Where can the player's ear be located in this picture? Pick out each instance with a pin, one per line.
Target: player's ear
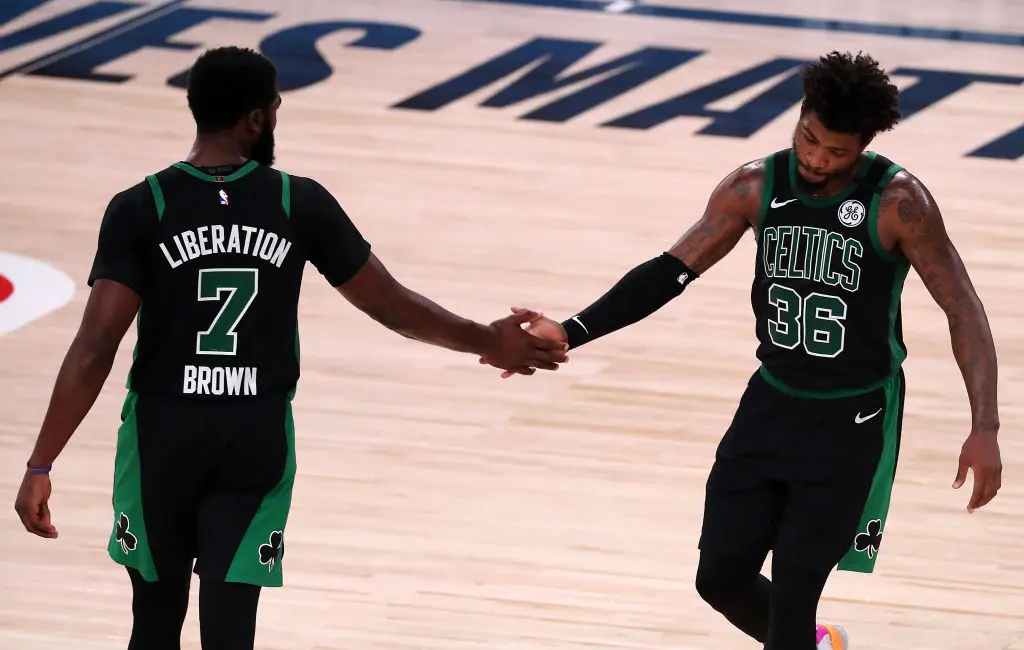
(255, 119)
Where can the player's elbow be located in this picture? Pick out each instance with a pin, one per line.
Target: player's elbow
(97, 344)
(376, 293)
(965, 311)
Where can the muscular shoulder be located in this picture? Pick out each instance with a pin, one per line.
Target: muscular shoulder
(740, 193)
(908, 214)
(133, 208)
(306, 188)
(138, 195)
(907, 200)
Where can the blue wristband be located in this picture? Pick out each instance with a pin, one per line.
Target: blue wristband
(38, 470)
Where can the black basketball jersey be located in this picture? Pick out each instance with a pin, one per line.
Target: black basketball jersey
(826, 295)
(217, 257)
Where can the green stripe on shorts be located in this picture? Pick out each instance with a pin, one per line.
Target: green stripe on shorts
(259, 557)
(863, 552)
(129, 544)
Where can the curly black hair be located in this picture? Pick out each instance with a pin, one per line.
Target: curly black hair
(225, 83)
(850, 94)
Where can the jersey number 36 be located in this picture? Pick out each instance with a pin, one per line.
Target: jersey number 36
(237, 288)
(814, 321)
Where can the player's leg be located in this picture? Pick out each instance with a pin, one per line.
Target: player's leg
(158, 609)
(741, 512)
(835, 510)
(156, 483)
(242, 520)
(742, 508)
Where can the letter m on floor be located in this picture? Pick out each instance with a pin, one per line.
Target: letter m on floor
(542, 64)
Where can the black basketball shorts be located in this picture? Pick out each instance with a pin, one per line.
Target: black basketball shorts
(204, 481)
(808, 479)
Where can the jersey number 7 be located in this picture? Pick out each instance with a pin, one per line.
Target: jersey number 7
(237, 288)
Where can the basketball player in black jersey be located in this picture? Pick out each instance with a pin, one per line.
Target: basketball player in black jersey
(207, 257)
(806, 467)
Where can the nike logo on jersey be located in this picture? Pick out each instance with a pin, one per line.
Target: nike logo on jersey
(777, 204)
(858, 419)
(577, 319)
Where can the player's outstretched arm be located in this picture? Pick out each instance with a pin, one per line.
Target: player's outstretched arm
(338, 250)
(910, 213)
(731, 210)
(109, 313)
(503, 343)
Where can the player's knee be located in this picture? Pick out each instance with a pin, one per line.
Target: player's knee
(158, 610)
(799, 580)
(719, 582)
(227, 615)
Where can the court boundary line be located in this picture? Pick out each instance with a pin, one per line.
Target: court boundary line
(638, 8)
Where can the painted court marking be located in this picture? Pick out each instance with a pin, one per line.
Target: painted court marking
(29, 290)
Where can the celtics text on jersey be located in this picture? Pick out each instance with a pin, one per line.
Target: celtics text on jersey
(826, 294)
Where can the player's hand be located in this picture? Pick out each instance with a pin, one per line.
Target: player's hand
(539, 326)
(980, 454)
(31, 505)
(545, 328)
(516, 351)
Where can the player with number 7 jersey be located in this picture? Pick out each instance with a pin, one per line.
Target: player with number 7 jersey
(206, 257)
(217, 255)
(223, 240)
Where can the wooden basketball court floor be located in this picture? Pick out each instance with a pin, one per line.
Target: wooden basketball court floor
(436, 505)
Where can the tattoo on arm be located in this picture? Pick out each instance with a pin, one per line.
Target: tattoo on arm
(923, 239)
(728, 216)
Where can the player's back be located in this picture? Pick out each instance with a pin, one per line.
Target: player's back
(220, 316)
(217, 256)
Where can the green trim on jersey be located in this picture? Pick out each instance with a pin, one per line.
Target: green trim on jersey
(861, 557)
(259, 557)
(135, 349)
(158, 196)
(766, 192)
(851, 187)
(822, 394)
(203, 176)
(161, 205)
(286, 194)
(286, 203)
(897, 353)
(128, 544)
(876, 241)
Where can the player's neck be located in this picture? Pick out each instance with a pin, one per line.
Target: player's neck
(216, 150)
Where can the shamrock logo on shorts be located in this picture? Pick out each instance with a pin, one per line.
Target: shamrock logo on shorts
(869, 540)
(124, 536)
(272, 552)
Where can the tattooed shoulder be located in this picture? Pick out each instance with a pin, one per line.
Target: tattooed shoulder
(907, 200)
(748, 180)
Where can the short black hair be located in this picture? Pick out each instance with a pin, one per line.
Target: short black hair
(225, 83)
(851, 94)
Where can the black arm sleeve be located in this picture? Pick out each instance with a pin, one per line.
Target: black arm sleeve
(122, 250)
(641, 292)
(332, 242)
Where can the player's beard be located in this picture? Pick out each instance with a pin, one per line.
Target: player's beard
(263, 150)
